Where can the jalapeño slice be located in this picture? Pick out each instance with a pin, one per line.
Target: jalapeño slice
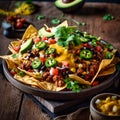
(84, 40)
(86, 54)
(36, 64)
(108, 55)
(50, 50)
(50, 62)
(40, 45)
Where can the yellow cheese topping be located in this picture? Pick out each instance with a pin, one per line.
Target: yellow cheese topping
(64, 55)
(23, 9)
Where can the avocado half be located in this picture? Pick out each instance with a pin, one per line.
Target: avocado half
(69, 5)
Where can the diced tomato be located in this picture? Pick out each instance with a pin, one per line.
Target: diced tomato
(87, 77)
(52, 41)
(65, 63)
(12, 72)
(30, 70)
(95, 83)
(16, 48)
(48, 30)
(19, 25)
(44, 38)
(86, 45)
(54, 71)
(99, 48)
(23, 20)
(43, 59)
(78, 52)
(36, 40)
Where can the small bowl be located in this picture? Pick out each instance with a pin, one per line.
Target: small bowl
(97, 114)
(11, 32)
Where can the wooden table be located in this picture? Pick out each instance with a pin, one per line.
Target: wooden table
(14, 104)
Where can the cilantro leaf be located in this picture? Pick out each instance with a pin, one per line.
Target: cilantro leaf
(55, 21)
(79, 23)
(108, 17)
(67, 35)
(73, 85)
(17, 4)
(14, 55)
(39, 17)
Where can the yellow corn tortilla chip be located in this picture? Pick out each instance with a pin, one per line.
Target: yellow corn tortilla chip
(79, 79)
(107, 71)
(104, 63)
(65, 23)
(11, 65)
(10, 58)
(32, 74)
(30, 32)
(110, 69)
(14, 44)
(36, 83)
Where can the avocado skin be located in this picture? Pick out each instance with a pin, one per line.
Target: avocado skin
(69, 9)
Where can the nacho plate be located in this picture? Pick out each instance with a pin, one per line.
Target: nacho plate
(33, 81)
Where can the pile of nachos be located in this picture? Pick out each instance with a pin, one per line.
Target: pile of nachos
(60, 58)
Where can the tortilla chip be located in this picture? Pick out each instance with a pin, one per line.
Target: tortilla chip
(36, 83)
(107, 71)
(30, 32)
(11, 49)
(65, 23)
(79, 79)
(104, 63)
(10, 58)
(14, 44)
(32, 74)
(11, 65)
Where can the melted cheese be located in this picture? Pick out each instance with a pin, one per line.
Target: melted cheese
(64, 55)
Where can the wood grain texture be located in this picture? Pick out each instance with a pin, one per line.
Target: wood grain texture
(13, 104)
(30, 111)
(10, 99)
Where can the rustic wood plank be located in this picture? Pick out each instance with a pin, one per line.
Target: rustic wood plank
(10, 99)
(30, 111)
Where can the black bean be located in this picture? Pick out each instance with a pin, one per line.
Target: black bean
(46, 48)
(43, 67)
(29, 51)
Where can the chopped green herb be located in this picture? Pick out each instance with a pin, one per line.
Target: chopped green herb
(17, 4)
(79, 23)
(109, 46)
(94, 42)
(14, 55)
(108, 55)
(67, 35)
(39, 17)
(72, 85)
(21, 73)
(62, 16)
(55, 21)
(108, 17)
